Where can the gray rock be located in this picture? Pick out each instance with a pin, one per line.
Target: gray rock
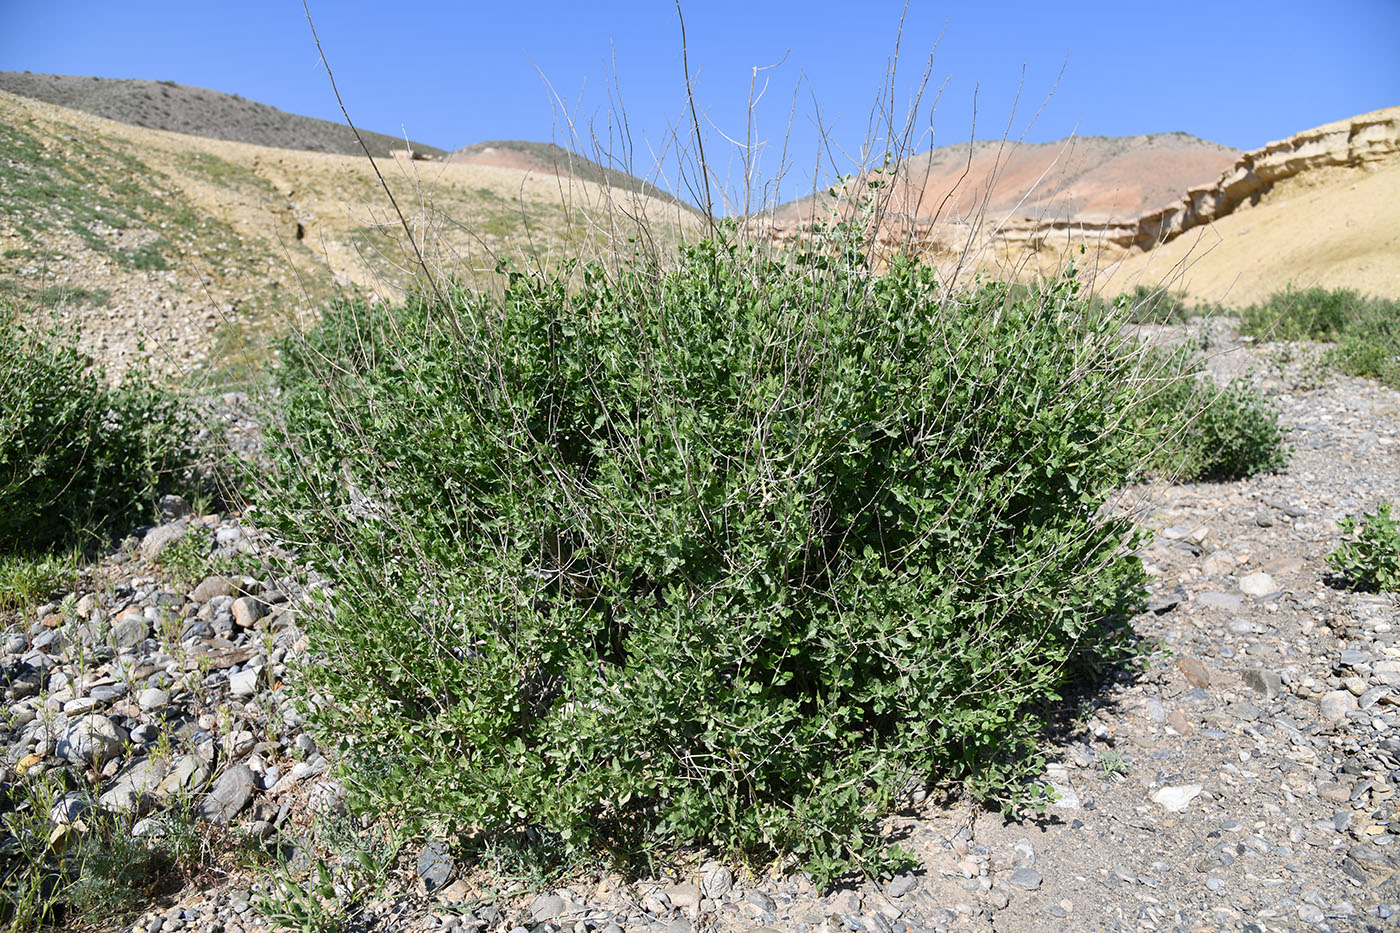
(229, 795)
(901, 884)
(683, 896)
(766, 904)
(1366, 864)
(1261, 680)
(161, 537)
(173, 507)
(91, 740)
(152, 698)
(716, 882)
(1238, 626)
(189, 773)
(211, 587)
(435, 866)
(129, 631)
(1371, 697)
(131, 790)
(1224, 601)
(1027, 879)
(69, 808)
(1350, 657)
(108, 693)
(1335, 705)
(547, 907)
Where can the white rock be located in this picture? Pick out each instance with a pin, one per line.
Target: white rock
(1067, 799)
(1177, 799)
(245, 682)
(1257, 584)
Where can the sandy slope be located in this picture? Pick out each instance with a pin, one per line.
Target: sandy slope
(253, 235)
(1336, 227)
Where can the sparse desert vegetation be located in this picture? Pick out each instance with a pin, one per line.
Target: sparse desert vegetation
(577, 561)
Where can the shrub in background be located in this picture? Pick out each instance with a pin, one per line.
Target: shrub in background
(1208, 431)
(1365, 330)
(725, 555)
(78, 458)
(1370, 555)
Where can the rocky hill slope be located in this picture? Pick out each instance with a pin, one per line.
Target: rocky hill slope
(187, 251)
(165, 105)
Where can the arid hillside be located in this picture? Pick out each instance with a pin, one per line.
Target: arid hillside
(1079, 179)
(165, 105)
(553, 159)
(188, 251)
(1319, 208)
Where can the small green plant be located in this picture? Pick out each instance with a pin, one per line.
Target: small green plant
(310, 905)
(1370, 557)
(27, 580)
(190, 559)
(349, 866)
(1111, 762)
(88, 872)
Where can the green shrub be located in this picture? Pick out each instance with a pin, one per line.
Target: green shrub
(1311, 314)
(27, 580)
(1371, 555)
(728, 555)
(1370, 346)
(78, 458)
(1204, 431)
(1366, 330)
(1226, 432)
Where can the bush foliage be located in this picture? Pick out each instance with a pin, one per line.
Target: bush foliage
(1227, 432)
(1366, 331)
(731, 554)
(1370, 554)
(78, 458)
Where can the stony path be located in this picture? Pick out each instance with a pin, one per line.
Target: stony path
(1245, 780)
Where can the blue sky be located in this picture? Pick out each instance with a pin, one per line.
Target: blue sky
(455, 73)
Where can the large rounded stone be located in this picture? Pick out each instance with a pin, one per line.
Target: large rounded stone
(1335, 705)
(92, 740)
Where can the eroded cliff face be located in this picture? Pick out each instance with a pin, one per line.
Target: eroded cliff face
(1371, 137)
(1041, 243)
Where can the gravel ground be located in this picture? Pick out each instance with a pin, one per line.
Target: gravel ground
(1243, 780)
